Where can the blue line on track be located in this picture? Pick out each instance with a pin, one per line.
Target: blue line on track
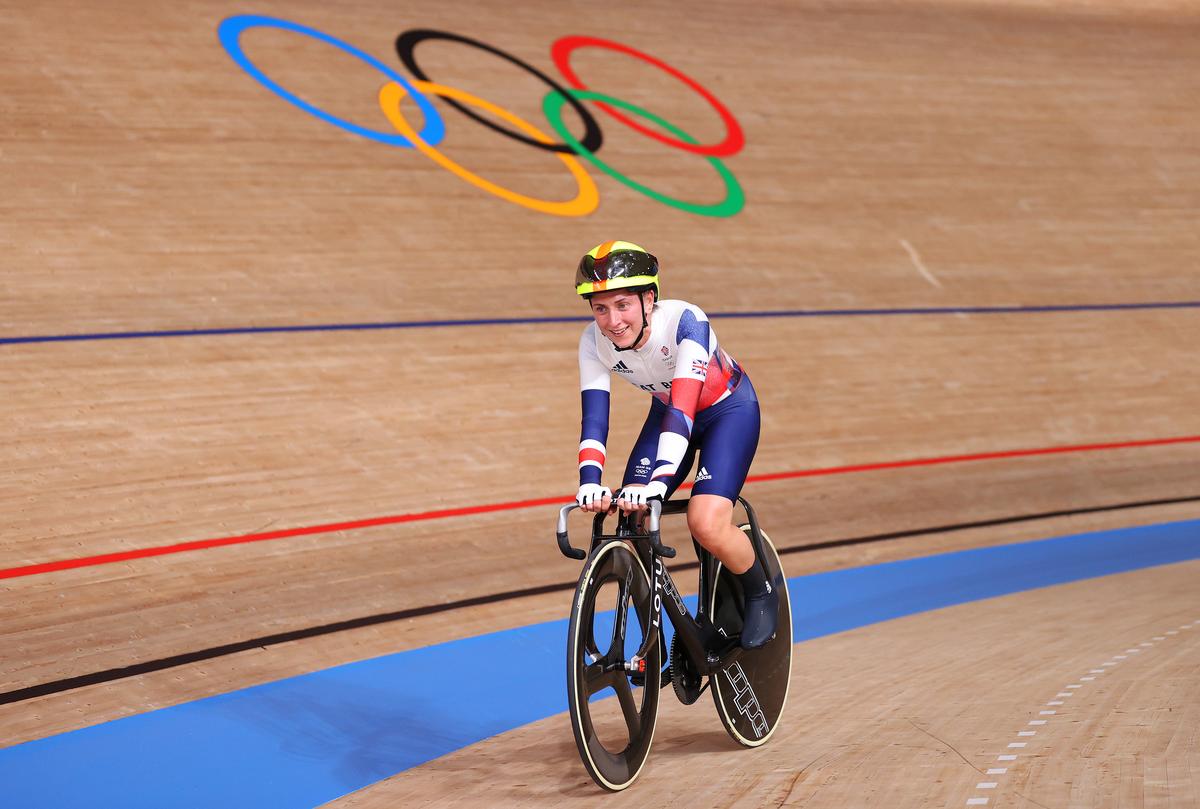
(525, 321)
(306, 740)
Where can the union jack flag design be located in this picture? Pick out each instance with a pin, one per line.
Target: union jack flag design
(700, 367)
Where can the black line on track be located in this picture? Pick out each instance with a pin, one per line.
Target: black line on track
(149, 666)
(433, 324)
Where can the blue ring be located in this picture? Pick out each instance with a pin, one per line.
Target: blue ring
(231, 29)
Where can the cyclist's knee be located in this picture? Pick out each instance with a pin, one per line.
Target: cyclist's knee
(709, 518)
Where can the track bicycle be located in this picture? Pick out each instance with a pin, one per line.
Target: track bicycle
(616, 643)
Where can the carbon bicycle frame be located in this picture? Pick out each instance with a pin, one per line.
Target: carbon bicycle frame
(709, 648)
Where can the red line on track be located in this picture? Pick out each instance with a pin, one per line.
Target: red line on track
(201, 544)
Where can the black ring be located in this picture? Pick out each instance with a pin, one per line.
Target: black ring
(407, 42)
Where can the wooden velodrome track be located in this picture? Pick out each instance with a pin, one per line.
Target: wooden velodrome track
(979, 162)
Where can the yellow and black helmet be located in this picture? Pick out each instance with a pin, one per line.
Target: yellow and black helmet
(616, 265)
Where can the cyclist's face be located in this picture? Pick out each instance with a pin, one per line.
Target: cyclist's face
(619, 315)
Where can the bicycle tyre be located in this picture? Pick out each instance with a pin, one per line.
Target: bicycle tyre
(751, 693)
(614, 561)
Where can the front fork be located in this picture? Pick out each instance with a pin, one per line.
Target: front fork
(696, 635)
(692, 632)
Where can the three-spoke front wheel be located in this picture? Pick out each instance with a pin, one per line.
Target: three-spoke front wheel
(612, 612)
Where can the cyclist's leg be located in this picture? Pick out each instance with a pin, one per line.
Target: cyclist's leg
(727, 437)
(727, 444)
(710, 519)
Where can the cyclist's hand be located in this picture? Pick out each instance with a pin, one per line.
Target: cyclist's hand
(594, 497)
(636, 498)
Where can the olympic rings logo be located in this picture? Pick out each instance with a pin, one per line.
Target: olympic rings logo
(393, 93)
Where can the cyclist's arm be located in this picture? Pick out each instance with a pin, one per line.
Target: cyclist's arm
(594, 397)
(691, 371)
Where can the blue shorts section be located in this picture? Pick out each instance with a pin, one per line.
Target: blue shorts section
(306, 740)
(725, 435)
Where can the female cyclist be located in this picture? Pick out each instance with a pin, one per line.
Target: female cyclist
(702, 401)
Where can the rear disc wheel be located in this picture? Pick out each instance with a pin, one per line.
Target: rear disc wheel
(751, 692)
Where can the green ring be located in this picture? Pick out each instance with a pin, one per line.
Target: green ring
(734, 200)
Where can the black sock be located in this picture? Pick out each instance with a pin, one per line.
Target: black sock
(754, 581)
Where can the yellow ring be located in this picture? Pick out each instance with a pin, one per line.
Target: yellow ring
(390, 96)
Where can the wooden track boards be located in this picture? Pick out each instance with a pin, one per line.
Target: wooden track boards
(898, 155)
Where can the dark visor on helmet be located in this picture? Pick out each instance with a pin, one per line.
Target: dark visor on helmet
(622, 264)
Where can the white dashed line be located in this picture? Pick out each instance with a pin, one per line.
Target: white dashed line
(1071, 688)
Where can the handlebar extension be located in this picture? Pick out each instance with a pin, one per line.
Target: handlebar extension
(655, 534)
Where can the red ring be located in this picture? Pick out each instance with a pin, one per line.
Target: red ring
(561, 50)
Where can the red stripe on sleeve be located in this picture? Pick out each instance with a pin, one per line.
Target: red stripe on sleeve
(591, 455)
